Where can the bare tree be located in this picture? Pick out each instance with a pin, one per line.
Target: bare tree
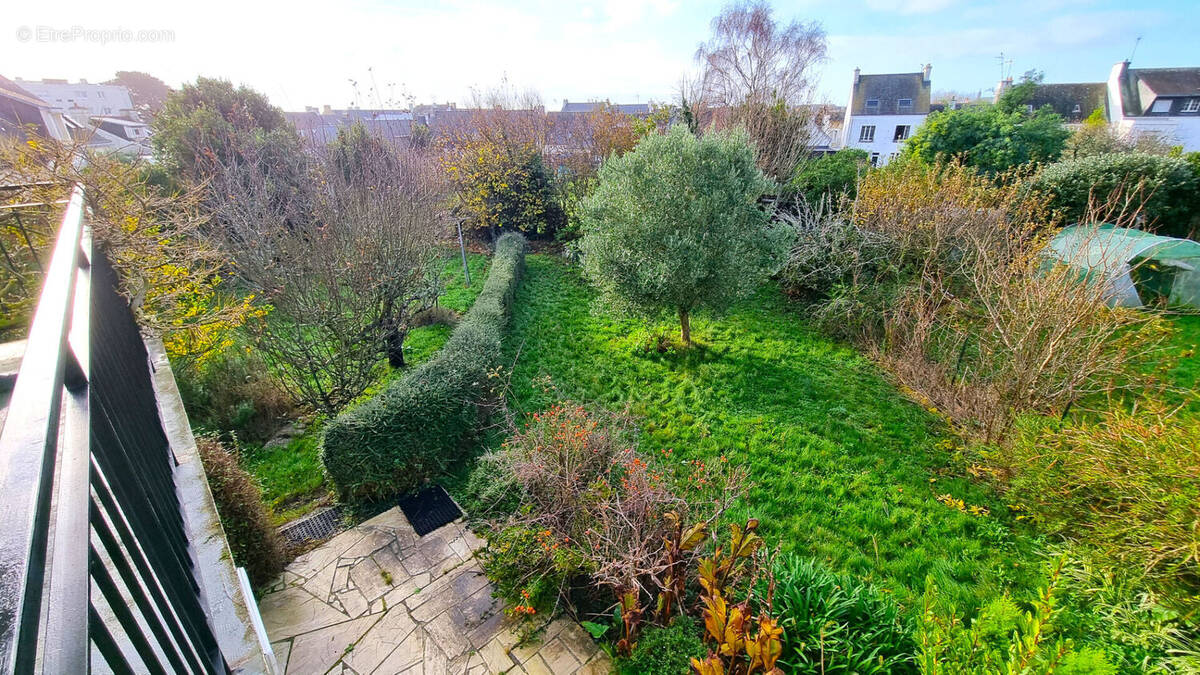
(343, 265)
(760, 74)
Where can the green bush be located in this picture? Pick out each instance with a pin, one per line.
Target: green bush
(401, 438)
(254, 542)
(834, 623)
(1124, 483)
(1003, 637)
(665, 651)
(831, 176)
(1167, 185)
(233, 395)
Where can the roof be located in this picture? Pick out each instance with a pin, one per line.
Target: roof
(120, 121)
(1073, 101)
(592, 106)
(889, 90)
(14, 91)
(1141, 87)
(1168, 81)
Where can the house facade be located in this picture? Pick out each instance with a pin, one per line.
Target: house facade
(1163, 102)
(884, 111)
(83, 99)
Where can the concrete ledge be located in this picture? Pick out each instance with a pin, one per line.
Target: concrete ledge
(229, 609)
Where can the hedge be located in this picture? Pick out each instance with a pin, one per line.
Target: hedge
(410, 432)
(1168, 187)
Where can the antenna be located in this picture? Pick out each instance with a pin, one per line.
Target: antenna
(1136, 42)
(1004, 74)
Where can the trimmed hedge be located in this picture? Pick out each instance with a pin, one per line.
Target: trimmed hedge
(1168, 183)
(407, 434)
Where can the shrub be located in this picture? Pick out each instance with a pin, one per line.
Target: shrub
(675, 225)
(1002, 638)
(665, 650)
(408, 433)
(232, 394)
(1164, 188)
(831, 176)
(1114, 608)
(834, 623)
(592, 514)
(991, 139)
(1125, 483)
(830, 250)
(937, 271)
(255, 544)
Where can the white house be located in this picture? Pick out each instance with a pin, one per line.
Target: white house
(884, 111)
(83, 99)
(1160, 101)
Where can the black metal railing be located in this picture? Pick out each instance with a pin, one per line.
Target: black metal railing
(95, 566)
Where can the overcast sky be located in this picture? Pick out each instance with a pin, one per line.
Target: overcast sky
(302, 54)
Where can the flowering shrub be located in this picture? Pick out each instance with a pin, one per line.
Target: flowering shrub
(594, 513)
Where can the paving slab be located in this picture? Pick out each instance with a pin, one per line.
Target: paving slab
(379, 600)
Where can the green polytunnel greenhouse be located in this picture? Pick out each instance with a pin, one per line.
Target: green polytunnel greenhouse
(1138, 267)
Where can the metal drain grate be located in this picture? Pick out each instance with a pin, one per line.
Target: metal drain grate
(429, 509)
(317, 527)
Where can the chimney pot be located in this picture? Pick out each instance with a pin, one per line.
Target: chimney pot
(925, 69)
(857, 74)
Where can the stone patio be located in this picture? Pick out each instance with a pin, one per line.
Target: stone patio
(380, 599)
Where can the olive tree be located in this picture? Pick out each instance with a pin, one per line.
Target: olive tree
(676, 225)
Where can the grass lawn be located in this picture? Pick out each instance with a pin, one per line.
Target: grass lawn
(844, 467)
(292, 477)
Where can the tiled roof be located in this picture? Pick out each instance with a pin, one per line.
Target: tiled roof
(888, 90)
(1073, 101)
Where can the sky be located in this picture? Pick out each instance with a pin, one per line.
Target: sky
(376, 53)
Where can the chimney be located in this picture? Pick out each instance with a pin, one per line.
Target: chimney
(1003, 86)
(925, 68)
(82, 81)
(857, 75)
(326, 110)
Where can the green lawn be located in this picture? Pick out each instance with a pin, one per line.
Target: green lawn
(292, 477)
(844, 467)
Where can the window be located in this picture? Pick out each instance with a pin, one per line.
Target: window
(872, 105)
(1191, 105)
(902, 132)
(874, 159)
(866, 134)
(904, 105)
(1077, 109)
(1029, 108)
(1161, 105)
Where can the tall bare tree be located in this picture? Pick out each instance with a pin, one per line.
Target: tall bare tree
(343, 266)
(761, 75)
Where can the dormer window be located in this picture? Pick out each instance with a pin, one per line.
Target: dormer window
(1077, 109)
(904, 105)
(1192, 105)
(1161, 106)
(872, 105)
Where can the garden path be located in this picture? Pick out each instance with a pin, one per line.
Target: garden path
(379, 599)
